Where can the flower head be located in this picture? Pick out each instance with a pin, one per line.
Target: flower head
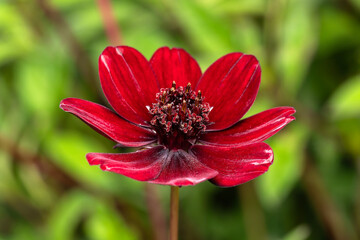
(186, 124)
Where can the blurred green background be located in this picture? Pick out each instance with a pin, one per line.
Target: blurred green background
(309, 51)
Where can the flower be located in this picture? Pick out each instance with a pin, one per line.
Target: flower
(186, 124)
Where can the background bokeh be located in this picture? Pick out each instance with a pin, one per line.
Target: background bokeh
(309, 51)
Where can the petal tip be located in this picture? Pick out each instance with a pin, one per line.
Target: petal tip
(91, 158)
(64, 103)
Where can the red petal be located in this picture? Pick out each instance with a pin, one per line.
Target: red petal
(182, 169)
(253, 129)
(128, 83)
(108, 123)
(175, 65)
(236, 165)
(230, 86)
(156, 165)
(142, 165)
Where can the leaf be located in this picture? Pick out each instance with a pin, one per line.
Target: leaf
(301, 232)
(68, 150)
(105, 224)
(67, 214)
(345, 102)
(101, 221)
(339, 31)
(235, 7)
(15, 37)
(207, 31)
(297, 43)
(288, 147)
(41, 80)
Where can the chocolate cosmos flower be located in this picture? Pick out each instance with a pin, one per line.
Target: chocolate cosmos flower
(186, 124)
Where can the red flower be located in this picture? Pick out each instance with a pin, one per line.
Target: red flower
(187, 123)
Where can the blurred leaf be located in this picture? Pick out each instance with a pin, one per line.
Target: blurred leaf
(86, 22)
(356, 4)
(248, 38)
(42, 195)
(69, 4)
(105, 224)
(15, 37)
(345, 102)
(68, 149)
(299, 233)
(67, 214)
(42, 78)
(297, 43)
(207, 206)
(147, 46)
(7, 185)
(288, 147)
(339, 30)
(208, 32)
(24, 231)
(349, 131)
(101, 221)
(235, 7)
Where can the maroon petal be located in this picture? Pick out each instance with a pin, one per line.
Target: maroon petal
(142, 165)
(175, 65)
(128, 83)
(156, 165)
(253, 129)
(236, 165)
(230, 86)
(108, 123)
(182, 169)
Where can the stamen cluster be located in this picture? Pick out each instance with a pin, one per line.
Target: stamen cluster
(179, 116)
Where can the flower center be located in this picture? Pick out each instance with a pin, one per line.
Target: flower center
(179, 116)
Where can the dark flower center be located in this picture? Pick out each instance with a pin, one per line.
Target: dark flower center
(179, 116)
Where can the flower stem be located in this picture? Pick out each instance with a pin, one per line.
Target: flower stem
(174, 213)
(110, 24)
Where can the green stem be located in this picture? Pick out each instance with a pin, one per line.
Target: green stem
(174, 213)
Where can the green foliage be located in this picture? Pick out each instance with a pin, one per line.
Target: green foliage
(309, 54)
(285, 172)
(299, 233)
(101, 221)
(345, 102)
(297, 43)
(15, 37)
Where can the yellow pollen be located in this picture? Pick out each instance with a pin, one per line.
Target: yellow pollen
(183, 106)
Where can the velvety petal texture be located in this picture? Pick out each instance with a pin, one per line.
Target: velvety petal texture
(156, 165)
(143, 165)
(182, 169)
(128, 83)
(175, 65)
(230, 86)
(236, 165)
(108, 123)
(252, 129)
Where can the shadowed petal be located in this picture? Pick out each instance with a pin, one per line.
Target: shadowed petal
(254, 129)
(182, 169)
(128, 83)
(230, 86)
(107, 123)
(142, 165)
(175, 65)
(236, 165)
